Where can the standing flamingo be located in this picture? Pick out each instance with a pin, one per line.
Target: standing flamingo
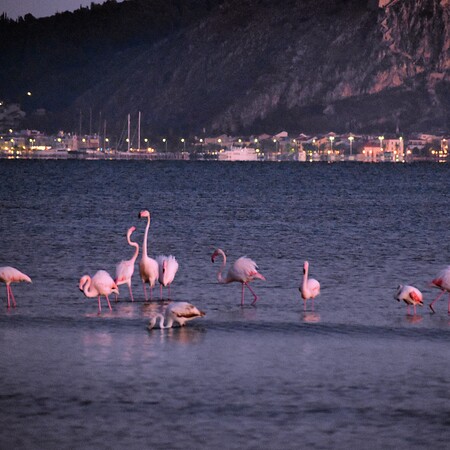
(100, 284)
(442, 281)
(125, 269)
(168, 267)
(10, 275)
(148, 267)
(410, 295)
(179, 312)
(310, 287)
(243, 271)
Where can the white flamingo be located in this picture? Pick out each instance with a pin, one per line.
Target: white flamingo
(148, 267)
(243, 271)
(10, 275)
(410, 295)
(179, 312)
(310, 287)
(442, 281)
(125, 269)
(100, 284)
(168, 267)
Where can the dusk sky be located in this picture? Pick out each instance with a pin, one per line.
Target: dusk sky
(41, 8)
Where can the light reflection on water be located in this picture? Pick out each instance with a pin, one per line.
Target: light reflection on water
(355, 371)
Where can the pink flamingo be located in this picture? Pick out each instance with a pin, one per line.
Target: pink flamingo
(168, 267)
(243, 271)
(442, 281)
(148, 267)
(179, 312)
(100, 284)
(410, 295)
(310, 287)
(125, 269)
(10, 275)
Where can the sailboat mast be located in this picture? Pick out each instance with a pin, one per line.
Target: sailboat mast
(139, 132)
(128, 132)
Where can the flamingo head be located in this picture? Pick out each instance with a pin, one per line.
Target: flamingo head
(144, 213)
(83, 281)
(396, 295)
(131, 230)
(305, 267)
(214, 256)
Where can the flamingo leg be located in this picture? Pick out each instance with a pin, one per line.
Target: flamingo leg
(99, 305)
(8, 295)
(131, 292)
(254, 295)
(312, 304)
(145, 290)
(117, 297)
(160, 291)
(109, 304)
(437, 298)
(12, 297)
(168, 291)
(151, 292)
(414, 309)
(242, 296)
(448, 307)
(304, 305)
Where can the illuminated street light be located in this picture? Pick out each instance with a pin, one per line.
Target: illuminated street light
(351, 139)
(331, 138)
(184, 144)
(165, 143)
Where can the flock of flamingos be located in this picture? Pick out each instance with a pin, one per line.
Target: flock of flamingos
(164, 268)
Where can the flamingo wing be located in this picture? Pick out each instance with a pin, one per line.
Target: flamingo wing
(416, 297)
(243, 270)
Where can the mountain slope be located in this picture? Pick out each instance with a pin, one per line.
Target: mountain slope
(306, 65)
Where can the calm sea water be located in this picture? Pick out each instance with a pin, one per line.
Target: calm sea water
(357, 372)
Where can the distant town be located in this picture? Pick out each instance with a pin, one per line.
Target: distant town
(329, 147)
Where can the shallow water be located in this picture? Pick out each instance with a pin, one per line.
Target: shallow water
(355, 372)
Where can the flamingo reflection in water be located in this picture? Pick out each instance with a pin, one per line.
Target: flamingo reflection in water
(442, 281)
(410, 295)
(176, 312)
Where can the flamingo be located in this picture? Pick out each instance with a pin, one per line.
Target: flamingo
(148, 267)
(100, 284)
(410, 295)
(168, 267)
(442, 281)
(125, 269)
(179, 312)
(310, 287)
(10, 275)
(243, 270)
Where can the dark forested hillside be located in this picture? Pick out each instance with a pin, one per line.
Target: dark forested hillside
(233, 65)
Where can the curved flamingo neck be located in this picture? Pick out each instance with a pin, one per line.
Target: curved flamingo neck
(135, 245)
(161, 321)
(305, 277)
(144, 245)
(222, 267)
(86, 288)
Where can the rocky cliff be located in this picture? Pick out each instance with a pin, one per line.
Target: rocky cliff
(305, 65)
